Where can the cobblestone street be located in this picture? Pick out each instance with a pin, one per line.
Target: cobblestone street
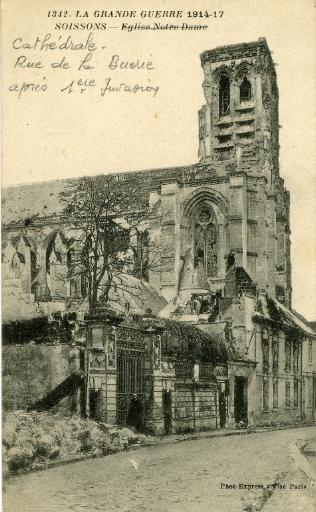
(191, 476)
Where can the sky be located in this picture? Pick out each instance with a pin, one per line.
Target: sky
(53, 134)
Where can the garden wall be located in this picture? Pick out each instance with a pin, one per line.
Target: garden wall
(31, 371)
(195, 406)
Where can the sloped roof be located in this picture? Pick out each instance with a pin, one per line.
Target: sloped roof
(138, 295)
(273, 310)
(41, 200)
(313, 326)
(295, 319)
(28, 201)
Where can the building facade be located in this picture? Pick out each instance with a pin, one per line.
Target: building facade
(222, 229)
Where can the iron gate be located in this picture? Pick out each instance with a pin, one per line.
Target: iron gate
(130, 380)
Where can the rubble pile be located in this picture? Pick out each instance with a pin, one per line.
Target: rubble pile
(31, 439)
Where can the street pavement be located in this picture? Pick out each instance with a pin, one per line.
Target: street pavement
(228, 474)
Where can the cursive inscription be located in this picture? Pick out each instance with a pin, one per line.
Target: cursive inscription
(124, 87)
(77, 65)
(47, 43)
(117, 63)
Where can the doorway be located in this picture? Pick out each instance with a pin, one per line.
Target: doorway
(241, 399)
(94, 399)
(130, 385)
(222, 408)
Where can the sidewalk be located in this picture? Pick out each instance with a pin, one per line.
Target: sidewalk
(295, 498)
(177, 438)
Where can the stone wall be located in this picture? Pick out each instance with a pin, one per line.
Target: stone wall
(279, 383)
(31, 371)
(195, 407)
(309, 379)
(182, 397)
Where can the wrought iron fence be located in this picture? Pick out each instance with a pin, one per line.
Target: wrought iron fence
(183, 370)
(206, 372)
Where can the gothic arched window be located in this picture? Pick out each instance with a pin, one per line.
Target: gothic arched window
(205, 241)
(56, 266)
(245, 90)
(224, 96)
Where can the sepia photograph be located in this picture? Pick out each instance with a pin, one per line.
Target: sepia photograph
(158, 256)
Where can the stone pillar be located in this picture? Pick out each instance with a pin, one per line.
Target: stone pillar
(262, 270)
(271, 243)
(237, 220)
(111, 374)
(155, 383)
(101, 371)
(230, 399)
(170, 240)
(43, 292)
(168, 385)
(221, 251)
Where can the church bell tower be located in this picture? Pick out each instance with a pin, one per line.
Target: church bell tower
(239, 138)
(239, 121)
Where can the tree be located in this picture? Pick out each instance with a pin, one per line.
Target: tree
(106, 215)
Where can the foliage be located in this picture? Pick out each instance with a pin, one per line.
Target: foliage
(37, 330)
(182, 340)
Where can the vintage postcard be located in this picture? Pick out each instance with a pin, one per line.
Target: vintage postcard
(158, 255)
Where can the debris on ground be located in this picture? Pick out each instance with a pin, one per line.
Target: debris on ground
(241, 425)
(32, 439)
(309, 449)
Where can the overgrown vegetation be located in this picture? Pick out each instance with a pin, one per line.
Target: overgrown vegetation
(37, 330)
(182, 340)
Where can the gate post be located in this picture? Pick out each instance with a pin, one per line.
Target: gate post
(155, 421)
(157, 411)
(101, 368)
(111, 375)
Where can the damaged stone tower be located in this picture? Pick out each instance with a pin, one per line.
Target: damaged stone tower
(233, 200)
(239, 137)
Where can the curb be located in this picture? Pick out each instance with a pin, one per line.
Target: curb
(218, 434)
(301, 462)
(159, 441)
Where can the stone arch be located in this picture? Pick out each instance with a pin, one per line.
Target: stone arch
(23, 241)
(54, 281)
(222, 70)
(243, 81)
(49, 239)
(208, 194)
(20, 259)
(243, 69)
(245, 90)
(205, 239)
(204, 236)
(18, 263)
(222, 78)
(56, 248)
(8, 252)
(224, 95)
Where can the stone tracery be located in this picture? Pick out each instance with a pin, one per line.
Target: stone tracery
(205, 240)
